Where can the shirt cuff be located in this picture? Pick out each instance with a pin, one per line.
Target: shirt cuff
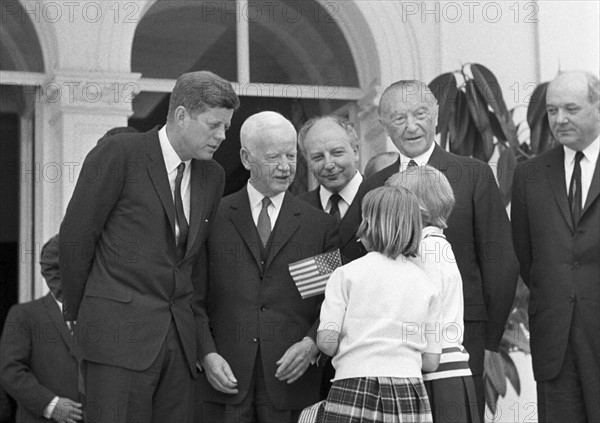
(50, 408)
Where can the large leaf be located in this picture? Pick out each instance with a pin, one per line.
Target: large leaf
(488, 86)
(491, 395)
(511, 372)
(478, 108)
(536, 110)
(462, 120)
(506, 169)
(494, 370)
(445, 90)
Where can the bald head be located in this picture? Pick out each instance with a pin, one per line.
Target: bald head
(573, 109)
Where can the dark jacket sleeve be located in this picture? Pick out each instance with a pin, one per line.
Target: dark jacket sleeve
(15, 362)
(495, 253)
(97, 191)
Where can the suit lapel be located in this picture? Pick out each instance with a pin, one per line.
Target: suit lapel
(594, 188)
(555, 170)
(241, 218)
(438, 159)
(348, 223)
(57, 319)
(197, 203)
(287, 223)
(159, 177)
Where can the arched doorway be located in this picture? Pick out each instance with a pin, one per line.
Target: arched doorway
(21, 59)
(288, 56)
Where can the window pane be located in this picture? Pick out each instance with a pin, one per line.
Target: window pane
(178, 36)
(298, 42)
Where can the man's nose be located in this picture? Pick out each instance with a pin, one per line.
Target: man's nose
(411, 123)
(220, 134)
(561, 116)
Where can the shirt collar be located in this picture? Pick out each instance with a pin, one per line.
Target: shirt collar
(431, 230)
(590, 152)
(347, 193)
(256, 197)
(420, 160)
(171, 157)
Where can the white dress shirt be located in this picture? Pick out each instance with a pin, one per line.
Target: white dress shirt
(172, 160)
(420, 160)
(588, 164)
(347, 195)
(256, 204)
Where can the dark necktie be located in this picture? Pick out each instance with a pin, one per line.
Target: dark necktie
(179, 214)
(335, 208)
(575, 189)
(264, 222)
(411, 164)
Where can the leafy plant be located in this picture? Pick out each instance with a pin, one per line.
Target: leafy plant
(474, 121)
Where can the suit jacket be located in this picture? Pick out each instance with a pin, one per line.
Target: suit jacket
(479, 232)
(36, 361)
(122, 280)
(559, 263)
(253, 302)
(347, 226)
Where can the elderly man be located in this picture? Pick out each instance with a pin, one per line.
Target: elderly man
(38, 367)
(330, 146)
(478, 227)
(130, 240)
(555, 215)
(258, 341)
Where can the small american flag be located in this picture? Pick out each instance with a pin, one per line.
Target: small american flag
(311, 274)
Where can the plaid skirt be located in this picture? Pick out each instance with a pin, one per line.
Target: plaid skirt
(377, 399)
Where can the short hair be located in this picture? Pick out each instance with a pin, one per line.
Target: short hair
(593, 87)
(255, 126)
(433, 191)
(199, 91)
(379, 162)
(409, 88)
(593, 84)
(391, 221)
(342, 122)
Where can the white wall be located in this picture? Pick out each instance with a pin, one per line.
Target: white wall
(569, 36)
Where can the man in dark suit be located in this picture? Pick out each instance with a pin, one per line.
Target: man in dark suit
(555, 216)
(258, 340)
(130, 240)
(478, 227)
(330, 146)
(37, 364)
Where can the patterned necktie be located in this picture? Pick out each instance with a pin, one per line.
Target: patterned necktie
(335, 208)
(264, 222)
(411, 164)
(575, 189)
(179, 214)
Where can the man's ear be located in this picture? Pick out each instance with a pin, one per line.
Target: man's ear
(244, 156)
(180, 115)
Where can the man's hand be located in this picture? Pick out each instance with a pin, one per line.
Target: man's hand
(67, 411)
(296, 360)
(219, 374)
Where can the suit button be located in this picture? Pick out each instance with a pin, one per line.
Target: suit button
(261, 275)
(571, 298)
(172, 304)
(263, 308)
(255, 340)
(576, 265)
